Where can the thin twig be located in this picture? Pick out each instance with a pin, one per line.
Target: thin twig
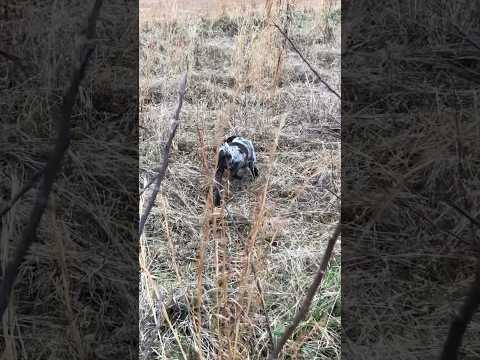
(259, 217)
(54, 163)
(465, 35)
(264, 308)
(259, 285)
(22, 191)
(282, 49)
(166, 155)
(470, 305)
(463, 212)
(9, 56)
(305, 61)
(172, 329)
(13, 58)
(462, 319)
(302, 312)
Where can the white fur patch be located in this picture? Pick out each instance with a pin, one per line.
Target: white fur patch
(237, 156)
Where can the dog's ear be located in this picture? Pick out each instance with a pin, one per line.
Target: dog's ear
(230, 139)
(222, 160)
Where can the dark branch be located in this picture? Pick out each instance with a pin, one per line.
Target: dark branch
(22, 191)
(306, 62)
(166, 155)
(470, 305)
(148, 185)
(9, 56)
(463, 212)
(218, 186)
(462, 319)
(53, 165)
(302, 312)
(15, 59)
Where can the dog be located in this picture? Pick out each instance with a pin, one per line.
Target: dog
(236, 154)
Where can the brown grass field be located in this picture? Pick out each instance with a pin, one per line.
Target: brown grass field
(83, 249)
(410, 133)
(164, 9)
(199, 296)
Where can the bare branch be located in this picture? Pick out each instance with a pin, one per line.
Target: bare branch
(470, 305)
(259, 285)
(53, 165)
(166, 155)
(22, 191)
(305, 61)
(463, 318)
(283, 48)
(145, 188)
(9, 56)
(15, 59)
(264, 308)
(302, 312)
(463, 212)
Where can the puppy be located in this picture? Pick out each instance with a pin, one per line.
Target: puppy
(236, 155)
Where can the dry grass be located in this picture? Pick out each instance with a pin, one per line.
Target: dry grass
(198, 293)
(76, 286)
(411, 132)
(179, 9)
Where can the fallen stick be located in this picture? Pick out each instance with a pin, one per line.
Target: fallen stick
(302, 312)
(161, 171)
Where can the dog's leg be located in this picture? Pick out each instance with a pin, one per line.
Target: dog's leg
(217, 197)
(217, 182)
(253, 169)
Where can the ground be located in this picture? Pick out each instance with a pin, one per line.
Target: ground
(199, 293)
(167, 8)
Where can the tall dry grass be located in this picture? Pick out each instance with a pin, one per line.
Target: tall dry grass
(75, 285)
(199, 295)
(411, 127)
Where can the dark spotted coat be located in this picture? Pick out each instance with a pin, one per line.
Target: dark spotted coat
(235, 155)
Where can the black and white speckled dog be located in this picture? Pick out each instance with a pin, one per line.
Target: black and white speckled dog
(236, 154)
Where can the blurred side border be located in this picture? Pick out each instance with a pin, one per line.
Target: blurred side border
(76, 289)
(410, 278)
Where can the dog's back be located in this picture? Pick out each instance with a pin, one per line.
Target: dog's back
(236, 153)
(245, 147)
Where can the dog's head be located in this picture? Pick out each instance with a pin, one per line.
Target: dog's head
(225, 157)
